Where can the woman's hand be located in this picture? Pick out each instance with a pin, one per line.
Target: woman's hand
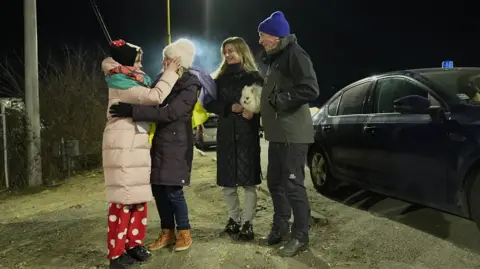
(237, 108)
(247, 114)
(173, 64)
(121, 110)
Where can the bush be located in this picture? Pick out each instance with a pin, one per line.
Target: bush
(73, 101)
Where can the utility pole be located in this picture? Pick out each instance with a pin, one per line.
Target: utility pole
(32, 103)
(169, 31)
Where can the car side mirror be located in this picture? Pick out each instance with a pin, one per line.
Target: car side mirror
(416, 104)
(412, 104)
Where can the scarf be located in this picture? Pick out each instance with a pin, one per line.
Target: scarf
(126, 77)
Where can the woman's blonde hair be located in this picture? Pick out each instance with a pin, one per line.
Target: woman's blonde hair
(246, 57)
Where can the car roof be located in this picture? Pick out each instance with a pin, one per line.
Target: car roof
(410, 73)
(425, 71)
(415, 73)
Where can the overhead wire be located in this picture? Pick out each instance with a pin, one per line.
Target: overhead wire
(100, 20)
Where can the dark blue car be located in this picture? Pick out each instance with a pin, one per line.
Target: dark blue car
(412, 135)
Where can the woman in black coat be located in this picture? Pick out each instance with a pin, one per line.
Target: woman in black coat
(238, 140)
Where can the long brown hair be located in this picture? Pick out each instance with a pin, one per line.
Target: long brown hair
(246, 57)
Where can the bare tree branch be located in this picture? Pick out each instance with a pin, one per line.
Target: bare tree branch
(73, 100)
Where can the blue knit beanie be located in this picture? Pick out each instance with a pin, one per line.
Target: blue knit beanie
(275, 25)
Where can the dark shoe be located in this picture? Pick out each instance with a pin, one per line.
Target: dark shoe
(232, 227)
(293, 247)
(122, 262)
(277, 235)
(139, 253)
(246, 233)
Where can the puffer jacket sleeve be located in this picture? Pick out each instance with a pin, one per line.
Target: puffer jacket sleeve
(157, 94)
(144, 95)
(180, 106)
(160, 90)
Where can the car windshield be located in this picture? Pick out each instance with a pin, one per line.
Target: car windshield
(462, 82)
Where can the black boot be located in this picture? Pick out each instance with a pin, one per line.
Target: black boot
(122, 262)
(246, 233)
(232, 227)
(293, 247)
(278, 234)
(139, 253)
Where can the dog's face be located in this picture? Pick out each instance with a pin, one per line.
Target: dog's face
(250, 99)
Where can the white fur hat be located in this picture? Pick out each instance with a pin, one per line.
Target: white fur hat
(183, 48)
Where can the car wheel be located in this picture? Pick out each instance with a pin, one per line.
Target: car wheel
(198, 138)
(322, 180)
(474, 199)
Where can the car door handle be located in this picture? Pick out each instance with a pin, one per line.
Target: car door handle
(370, 128)
(326, 128)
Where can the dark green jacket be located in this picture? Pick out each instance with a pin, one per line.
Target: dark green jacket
(290, 84)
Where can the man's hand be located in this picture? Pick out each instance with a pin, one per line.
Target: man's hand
(305, 85)
(237, 108)
(121, 110)
(272, 98)
(247, 114)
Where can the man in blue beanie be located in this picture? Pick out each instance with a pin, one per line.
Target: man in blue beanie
(290, 85)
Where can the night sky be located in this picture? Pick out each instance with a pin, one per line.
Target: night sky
(346, 39)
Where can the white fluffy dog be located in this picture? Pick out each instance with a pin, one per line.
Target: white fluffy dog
(250, 99)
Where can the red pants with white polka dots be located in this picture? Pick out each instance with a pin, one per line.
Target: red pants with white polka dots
(127, 226)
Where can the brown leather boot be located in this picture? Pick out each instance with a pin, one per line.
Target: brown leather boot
(165, 239)
(184, 240)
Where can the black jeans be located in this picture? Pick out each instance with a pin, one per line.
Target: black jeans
(285, 181)
(172, 207)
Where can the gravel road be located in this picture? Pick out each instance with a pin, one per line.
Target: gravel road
(65, 227)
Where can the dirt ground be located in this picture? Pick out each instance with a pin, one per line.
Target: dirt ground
(65, 227)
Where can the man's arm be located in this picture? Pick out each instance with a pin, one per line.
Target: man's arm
(182, 104)
(305, 85)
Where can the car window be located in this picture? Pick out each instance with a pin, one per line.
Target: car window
(332, 107)
(388, 90)
(352, 99)
(463, 82)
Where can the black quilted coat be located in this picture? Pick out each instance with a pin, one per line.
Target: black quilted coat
(172, 146)
(238, 141)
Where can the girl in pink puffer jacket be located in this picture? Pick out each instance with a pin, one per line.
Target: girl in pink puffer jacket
(126, 152)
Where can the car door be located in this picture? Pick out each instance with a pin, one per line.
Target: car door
(408, 151)
(343, 132)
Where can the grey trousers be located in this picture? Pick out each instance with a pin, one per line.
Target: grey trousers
(233, 203)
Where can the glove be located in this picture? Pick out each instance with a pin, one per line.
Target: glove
(121, 110)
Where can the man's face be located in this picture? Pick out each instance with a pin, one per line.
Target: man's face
(268, 42)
